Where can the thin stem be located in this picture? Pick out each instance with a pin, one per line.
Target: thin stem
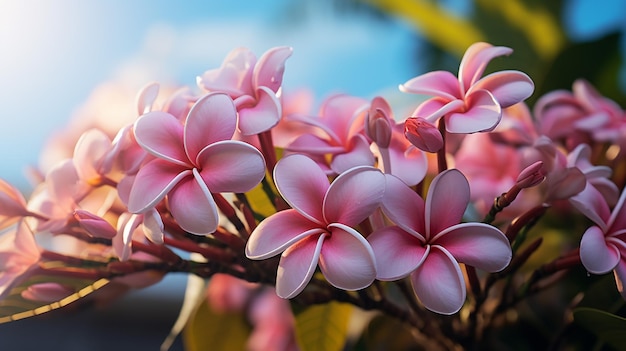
(442, 163)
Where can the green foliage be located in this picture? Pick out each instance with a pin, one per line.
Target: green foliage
(608, 327)
(323, 327)
(217, 331)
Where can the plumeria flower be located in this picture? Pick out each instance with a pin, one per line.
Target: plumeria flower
(428, 241)
(318, 229)
(19, 253)
(564, 114)
(470, 103)
(603, 246)
(341, 135)
(254, 85)
(192, 161)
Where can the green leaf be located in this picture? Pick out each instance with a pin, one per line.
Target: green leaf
(608, 327)
(217, 331)
(323, 327)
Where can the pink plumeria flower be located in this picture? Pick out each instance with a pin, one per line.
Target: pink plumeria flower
(319, 227)
(470, 103)
(603, 246)
(19, 253)
(192, 161)
(429, 241)
(596, 176)
(254, 85)
(341, 135)
(579, 114)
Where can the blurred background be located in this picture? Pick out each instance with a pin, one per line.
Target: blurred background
(56, 53)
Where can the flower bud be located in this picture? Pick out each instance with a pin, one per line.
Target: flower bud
(423, 134)
(531, 175)
(94, 225)
(378, 123)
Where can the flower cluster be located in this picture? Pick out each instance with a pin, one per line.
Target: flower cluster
(239, 177)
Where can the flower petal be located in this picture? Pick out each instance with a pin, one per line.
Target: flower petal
(268, 71)
(354, 195)
(439, 283)
(277, 232)
(437, 83)
(193, 206)
(358, 154)
(297, 265)
(161, 134)
(508, 87)
(448, 196)
(234, 76)
(618, 216)
(212, 118)
(483, 114)
(593, 205)
(397, 252)
(231, 166)
(89, 152)
(262, 116)
(146, 98)
(596, 254)
(347, 260)
(475, 60)
(403, 206)
(303, 184)
(153, 181)
(476, 244)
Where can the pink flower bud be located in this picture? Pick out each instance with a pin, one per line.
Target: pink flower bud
(531, 175)
(94, 225)
(378, 122)
(423, 134)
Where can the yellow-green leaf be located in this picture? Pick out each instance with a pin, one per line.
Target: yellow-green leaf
(216, 331)
(323, 327)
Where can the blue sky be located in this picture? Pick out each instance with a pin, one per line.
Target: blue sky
(55, 52)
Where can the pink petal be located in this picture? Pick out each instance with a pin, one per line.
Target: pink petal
(597, 255)
(153, 226)
(397, 252)
(593, 205)
(476, 244)
(146, 98)
(410, 164)
(153, 181)
(212, 118)
(347, 260)
(279, 231)
(62, 181)
(161, 134)
(261, 117)
(475, 60)
(89, 152)
(193, 206)
(403, 206)
(439, 283)
(234, 75)
(508, 87)
(313, 144)
(617, 221)
(448, 196)
(12, 202)
(231, 166)
(268, 71)
(303, 184)
(483, 114)
(438, 83)
(354, 195)
(358, 154)
(297, 265)
(565, 183)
